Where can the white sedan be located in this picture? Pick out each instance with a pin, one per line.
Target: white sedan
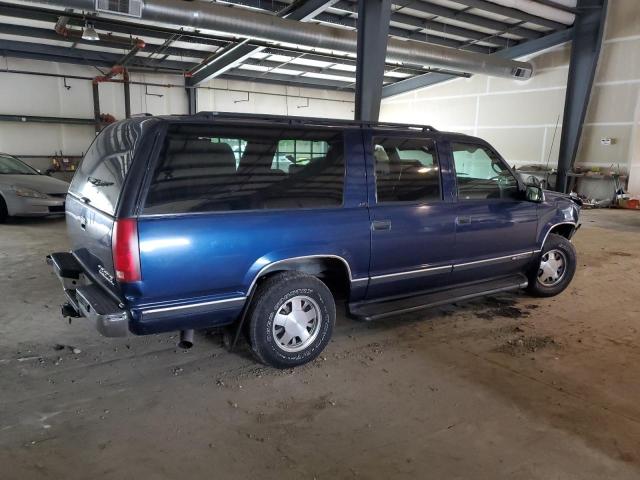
(25, 192)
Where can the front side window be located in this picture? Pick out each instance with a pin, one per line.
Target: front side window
(481, 174)
(406, 170)
(205, 169)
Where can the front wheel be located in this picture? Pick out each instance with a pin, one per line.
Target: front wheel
(555, 269)
(291, 319)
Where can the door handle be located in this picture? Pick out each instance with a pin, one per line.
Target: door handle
(381, 225)
(463, 220)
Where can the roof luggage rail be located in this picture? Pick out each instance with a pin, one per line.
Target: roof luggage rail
(313, 121)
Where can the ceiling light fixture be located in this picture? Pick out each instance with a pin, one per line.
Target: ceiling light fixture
(89, 33)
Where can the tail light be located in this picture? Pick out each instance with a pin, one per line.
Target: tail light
(126, 255)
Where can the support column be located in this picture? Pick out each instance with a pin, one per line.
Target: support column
(127, 95)
(585, 50)
(192, 103)
(373, 31)
(96, 106)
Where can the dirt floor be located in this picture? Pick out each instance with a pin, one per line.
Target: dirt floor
(506, 387)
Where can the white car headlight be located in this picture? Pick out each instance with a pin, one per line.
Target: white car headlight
(28, 192)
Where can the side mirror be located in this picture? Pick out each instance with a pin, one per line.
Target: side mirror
(534, 193)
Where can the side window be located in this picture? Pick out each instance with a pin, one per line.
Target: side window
(406, 170)
(237, 146)
(297, 152)
(480, 174)
(104, 168)
(205, 169)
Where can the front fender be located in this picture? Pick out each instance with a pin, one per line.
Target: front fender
(556, 210)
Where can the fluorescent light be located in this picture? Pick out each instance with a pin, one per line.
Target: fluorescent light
(89, 33)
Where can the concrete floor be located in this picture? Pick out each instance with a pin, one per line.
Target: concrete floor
(507, 387)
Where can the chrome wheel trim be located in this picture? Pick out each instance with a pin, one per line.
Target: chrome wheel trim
(296, 323)
(553, 266)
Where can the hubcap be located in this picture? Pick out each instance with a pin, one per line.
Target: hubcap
(296, 323)
(552, 267)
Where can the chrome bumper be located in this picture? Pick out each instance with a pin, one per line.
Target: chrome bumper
(86, 299)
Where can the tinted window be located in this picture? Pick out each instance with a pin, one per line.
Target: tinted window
(242, 168)
(481, 174)
(101, 174)
(406, 170)
(298, 152)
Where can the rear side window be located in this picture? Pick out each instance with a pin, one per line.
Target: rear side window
(406, 170)
(101, 174)
(208, 169)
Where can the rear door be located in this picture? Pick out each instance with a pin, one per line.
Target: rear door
(412, 220)
(495, 224)
(93, 198)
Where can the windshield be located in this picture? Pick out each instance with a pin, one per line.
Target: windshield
(12, 166)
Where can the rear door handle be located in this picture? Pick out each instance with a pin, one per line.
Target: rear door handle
(463, 220)
(381, 225)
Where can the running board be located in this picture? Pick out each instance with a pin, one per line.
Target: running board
(387, 308)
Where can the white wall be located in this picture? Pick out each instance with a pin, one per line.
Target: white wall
(236, 96)
(23, 94)
(519, 118)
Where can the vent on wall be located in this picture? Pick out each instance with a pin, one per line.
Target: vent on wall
(520, 72)
(131, 8)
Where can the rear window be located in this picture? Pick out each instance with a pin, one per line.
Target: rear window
(207, 168)
(101, 174)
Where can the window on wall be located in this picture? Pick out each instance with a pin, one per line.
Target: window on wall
(297, 152)
(407, 170)
(239, 168)
(481, 174)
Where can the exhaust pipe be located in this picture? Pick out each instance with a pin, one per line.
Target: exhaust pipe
(186, 339)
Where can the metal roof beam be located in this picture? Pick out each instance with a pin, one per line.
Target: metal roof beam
(463, 16)
(512, 13)
(55, 53)
(232, 55)
(518, 51)
(434, 27)
(293, 80)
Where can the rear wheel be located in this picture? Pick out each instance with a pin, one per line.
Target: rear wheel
(555, 268)
(291, 319)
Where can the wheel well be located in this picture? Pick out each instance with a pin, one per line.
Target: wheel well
(4, 209)
(332, 271)
(566, 230)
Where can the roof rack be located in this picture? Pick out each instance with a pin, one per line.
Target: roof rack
(313, 121)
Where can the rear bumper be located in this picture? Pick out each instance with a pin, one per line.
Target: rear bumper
(86, 299)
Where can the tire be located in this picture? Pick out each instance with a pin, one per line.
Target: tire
(275, 300)
(555, 269)
(4, 214)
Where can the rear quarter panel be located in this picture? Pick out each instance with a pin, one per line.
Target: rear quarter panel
(206, 257)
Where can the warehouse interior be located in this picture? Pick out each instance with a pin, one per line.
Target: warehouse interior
(507, 386)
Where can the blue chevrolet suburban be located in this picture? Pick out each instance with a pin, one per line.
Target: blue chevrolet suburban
(263, 223)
